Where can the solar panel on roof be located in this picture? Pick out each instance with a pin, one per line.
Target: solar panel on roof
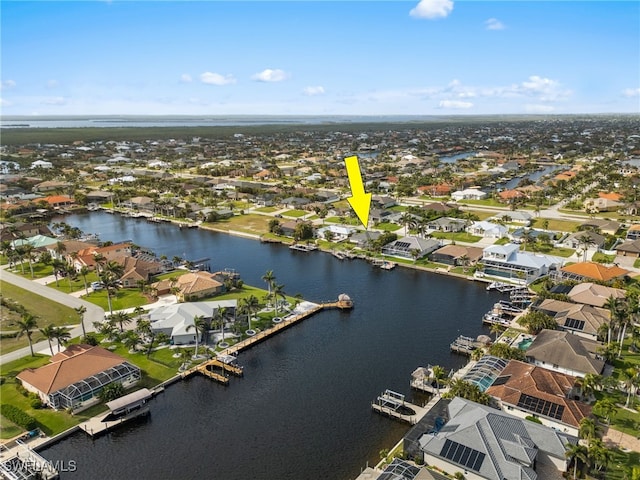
(462, 455)
(574, 324)
(541, 407)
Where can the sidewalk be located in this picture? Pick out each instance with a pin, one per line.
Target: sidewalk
(93, 314)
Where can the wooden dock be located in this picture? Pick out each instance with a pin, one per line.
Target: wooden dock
(96, 425)
(394, 406)
(206, 368)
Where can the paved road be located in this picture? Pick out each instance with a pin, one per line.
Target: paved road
(93, 314)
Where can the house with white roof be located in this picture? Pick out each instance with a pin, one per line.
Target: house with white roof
(41, 164)
(487, 229)
(176, 321)
(338, 232)
(468, 194)
(507, 261)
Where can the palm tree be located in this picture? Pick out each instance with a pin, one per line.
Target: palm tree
(84, 271)
(585, 241)
(219, 318)
(607, 408)
(62, 336)
(599, 454)
(497, 329)
(270, 278)
(186, 357)
(26, 325)
(588, 428)
(200, 326)
(122, 317)
(438, 374)
(575, 452)
(27, 250)
(612, 305)
(250, 305)
(631, 311)
(630, 379)
(131, 340)
(50, 333)
(277, 291)
(110, 278)
(81, 310)
(57, 266)
(589, 384)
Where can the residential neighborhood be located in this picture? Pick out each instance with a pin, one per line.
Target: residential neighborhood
(550, 221)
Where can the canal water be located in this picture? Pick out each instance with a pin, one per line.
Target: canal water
(302, 410)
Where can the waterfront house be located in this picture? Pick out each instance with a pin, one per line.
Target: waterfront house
(176, 321)
(507, 261)
(589, 271)
(525, 390)
(362, 239)
(75, 377)
(195, 285)
(486, 443)
(582, 320)
(594, 294)
(457, 255)
(406, 246)
(565, 352)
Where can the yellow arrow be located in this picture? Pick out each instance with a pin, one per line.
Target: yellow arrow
(359, 201)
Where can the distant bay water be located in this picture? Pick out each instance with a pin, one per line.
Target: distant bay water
(120, 121)
(302, 410)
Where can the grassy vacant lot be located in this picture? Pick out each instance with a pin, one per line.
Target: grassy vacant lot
(294, 213)
(556, 224)
(388, 227)
(46, 311)
(250, 223)
(458, 237)
(266, 209)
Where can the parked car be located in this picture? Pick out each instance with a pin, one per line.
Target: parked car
(97, 285)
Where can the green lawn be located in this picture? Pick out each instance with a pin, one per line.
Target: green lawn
(388, 227)
(249, 223)
(172, 274)
(489, 202)
(458, 237)
(124, 298)
(343, 220)
(555, 224)
(45, 310)
(266, 209)
(294, 213)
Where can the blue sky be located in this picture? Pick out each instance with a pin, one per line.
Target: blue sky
(429, 57)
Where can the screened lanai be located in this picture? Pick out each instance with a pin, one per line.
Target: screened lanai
(485, 371)
(89, 387)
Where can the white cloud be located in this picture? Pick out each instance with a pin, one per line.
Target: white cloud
(544, 89)
(271, 75)
(5, 103)
(312, 91)
(631, 92)
(494, 24)
(186, 78)
(8, 84)
(216, 79)
(52, 83)
(54, 101)
(537, 108)
(454, 104)
(432, 9)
